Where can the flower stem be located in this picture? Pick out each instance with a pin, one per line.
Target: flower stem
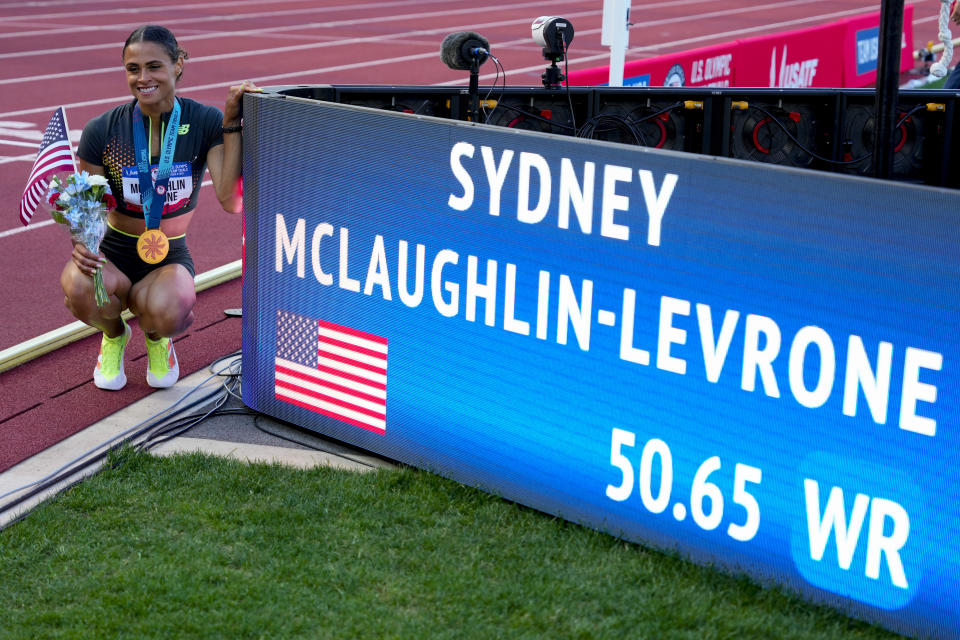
(100, 291)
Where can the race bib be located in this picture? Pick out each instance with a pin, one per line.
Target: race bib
(179, 188)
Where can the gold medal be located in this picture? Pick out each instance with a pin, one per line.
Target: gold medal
(152, 246)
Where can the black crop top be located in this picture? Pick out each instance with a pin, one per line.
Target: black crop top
(107, 141)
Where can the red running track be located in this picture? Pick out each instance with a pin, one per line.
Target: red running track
(61, 52)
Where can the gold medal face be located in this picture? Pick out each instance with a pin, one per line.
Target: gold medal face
(152, 246)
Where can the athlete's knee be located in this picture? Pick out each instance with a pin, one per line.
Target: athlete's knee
(172, 313)
(175, 301)
(167, 324)
(77, 291)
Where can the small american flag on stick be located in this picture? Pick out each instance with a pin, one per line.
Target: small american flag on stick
(55, 155)
(332, 370)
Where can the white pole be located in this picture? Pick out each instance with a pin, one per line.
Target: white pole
(616, 35)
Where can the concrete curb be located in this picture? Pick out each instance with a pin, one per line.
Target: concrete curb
(20, 480)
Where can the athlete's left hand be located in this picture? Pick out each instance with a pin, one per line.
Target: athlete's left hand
(233, 109)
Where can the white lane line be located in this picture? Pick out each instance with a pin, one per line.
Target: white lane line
(229, 4)
(315, 25)
(302, 76)
(52, 3)
(17, 143)
(301, 47)
(394, 19)
(228, 17)
(29, 157)
(30, 227)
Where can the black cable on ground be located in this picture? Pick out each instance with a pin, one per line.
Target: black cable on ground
(83, 462)
(158, 430)
(159, 423)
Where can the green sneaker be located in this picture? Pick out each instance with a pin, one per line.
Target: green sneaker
(108, 374)
(163, 370)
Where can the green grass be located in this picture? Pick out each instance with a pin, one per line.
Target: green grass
(202, 547)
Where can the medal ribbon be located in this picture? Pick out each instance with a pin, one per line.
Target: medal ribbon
(153, 196)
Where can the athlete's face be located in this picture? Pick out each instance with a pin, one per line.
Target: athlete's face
(151, 76)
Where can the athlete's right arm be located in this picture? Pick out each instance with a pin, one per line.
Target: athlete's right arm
(93, 169)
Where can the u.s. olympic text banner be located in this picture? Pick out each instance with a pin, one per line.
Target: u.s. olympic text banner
(754, 364)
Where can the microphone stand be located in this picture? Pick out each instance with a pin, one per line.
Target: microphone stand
(473, 113)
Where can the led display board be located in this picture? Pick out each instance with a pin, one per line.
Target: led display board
(755, 365)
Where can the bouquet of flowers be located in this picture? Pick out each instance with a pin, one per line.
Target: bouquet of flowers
(81, 203)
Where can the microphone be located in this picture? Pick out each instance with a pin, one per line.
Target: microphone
(459, 50)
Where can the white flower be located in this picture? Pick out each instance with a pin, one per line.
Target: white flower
(97, 180)
(64, 198)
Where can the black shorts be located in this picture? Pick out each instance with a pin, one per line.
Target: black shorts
(121, 249)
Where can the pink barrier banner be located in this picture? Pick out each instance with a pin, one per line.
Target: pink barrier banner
(838, 54)
(704, 67)
(794, 59)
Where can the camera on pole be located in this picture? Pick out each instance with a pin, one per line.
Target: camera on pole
(554, 35)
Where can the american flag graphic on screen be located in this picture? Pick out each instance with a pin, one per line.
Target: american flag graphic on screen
(333, 370)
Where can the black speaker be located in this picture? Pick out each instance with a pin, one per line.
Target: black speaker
(403, 104)
(780, 133)
(661, 124)
(544, 111)
(420, 101)
(859, 123)
(545, 116)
